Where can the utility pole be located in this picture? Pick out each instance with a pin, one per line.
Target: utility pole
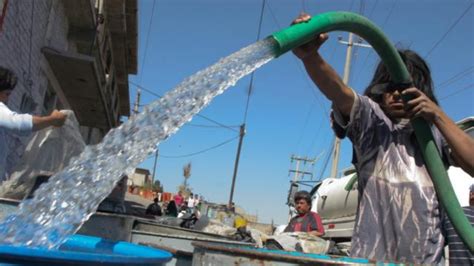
(297, 172)
(154, 166)
(345, 79)
(236, 165)
(137, 103)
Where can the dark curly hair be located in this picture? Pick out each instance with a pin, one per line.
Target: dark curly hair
(418, 69)
(303, 195)
(7, 79)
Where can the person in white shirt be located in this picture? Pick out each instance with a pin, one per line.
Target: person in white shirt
(18, 123)
(196, 200)
(191, 202)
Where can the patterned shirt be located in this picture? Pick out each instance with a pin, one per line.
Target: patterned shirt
(307, 222)
(398, 215)
(459, 254)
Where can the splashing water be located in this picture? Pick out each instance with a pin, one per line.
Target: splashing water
(63, 204)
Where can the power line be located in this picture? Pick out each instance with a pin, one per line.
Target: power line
(310, 111)
(273, 16)
(356, 47)
(449, 30)
(303, 5)
(456, 77)
(209, 126)
(253, 72)
(147, 41)
(311, 88)
(199, 115)
(333, 53)
(326, 161)
(201, 151)
(373, 9)
(362, 7)
(305, 77)
(321, 123)
(389, 14)
(217, 123)
(313, 145)
(458, 91)
(392, 8)
(303, 130)
(352, 4)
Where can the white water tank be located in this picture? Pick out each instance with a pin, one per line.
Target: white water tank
(336, 206)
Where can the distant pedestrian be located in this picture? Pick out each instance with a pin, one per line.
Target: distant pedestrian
(191, 202)
(171, 209)
(154, 208)
(20, 124)
(178, 199)
(305, 220)
(196, 200)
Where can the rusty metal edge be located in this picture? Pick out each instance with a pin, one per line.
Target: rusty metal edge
(280, 257)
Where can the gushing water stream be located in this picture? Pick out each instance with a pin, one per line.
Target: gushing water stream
(63, 204)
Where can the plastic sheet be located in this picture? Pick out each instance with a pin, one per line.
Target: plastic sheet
(48, 151)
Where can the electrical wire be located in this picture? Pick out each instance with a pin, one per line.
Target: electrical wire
(362, 7)
(352, 4)
(303, 130)
(201, 151)
(449, 30)
(457, 91)
(326, 161)
(199, 115)
(316, 136)
(147, 42)
(390, 12)
(253, 72)
(456, 77)
(310, 111)
(373, 9)
(209, 126)
(305, 77)
(355, 52)
(273, 16)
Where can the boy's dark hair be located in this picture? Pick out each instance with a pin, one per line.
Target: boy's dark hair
(418, 69)
(7, 79)
(303, 195)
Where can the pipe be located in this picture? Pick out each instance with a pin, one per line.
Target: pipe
(301, 33)
(350, 184)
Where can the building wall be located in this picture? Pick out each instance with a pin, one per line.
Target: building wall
(138, 179)
(28, 26)
(31, 25)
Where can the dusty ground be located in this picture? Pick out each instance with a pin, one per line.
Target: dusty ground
(136, 205)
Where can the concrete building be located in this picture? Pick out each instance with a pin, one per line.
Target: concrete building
(70, 54)
(141, 177)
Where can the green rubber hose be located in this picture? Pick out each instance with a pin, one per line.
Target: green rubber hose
(301, 33)
(350, 184)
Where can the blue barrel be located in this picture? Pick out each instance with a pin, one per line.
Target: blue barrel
(85, 250)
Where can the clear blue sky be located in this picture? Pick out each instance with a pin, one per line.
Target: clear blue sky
(286, 114)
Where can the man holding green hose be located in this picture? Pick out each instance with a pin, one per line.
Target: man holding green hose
(398, 217)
